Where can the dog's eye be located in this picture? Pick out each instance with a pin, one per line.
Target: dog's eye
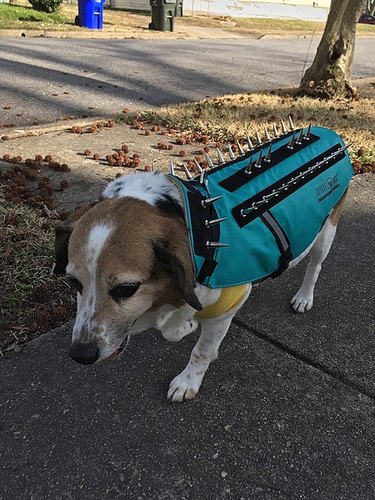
(123, 291)
(75, 284)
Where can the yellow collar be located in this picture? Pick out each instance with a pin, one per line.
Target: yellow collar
(229, 299)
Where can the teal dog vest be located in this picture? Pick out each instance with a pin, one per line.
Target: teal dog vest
(249, 217)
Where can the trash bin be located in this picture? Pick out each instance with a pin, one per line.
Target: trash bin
(179, 8)
(90, 14)
(162, 15)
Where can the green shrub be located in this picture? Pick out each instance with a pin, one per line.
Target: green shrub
(46, 5)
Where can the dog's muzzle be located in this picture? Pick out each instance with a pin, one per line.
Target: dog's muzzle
(85, 354)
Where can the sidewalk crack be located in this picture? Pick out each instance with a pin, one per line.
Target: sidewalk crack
(339, 377)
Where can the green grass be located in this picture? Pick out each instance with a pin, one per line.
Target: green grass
(14, 16)
(369, 29)
(267, 25)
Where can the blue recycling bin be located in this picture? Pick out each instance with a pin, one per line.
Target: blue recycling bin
(90, 14)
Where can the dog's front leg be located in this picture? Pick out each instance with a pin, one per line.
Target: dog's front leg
(176, 323)
(187, 383)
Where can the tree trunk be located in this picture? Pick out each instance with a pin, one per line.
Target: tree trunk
(329, 74)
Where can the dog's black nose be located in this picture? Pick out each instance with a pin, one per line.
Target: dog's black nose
(86, 354)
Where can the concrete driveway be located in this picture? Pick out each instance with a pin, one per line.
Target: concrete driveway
(47, 79)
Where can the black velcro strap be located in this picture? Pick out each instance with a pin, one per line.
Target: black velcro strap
(202, 233)
(243, 220)
(240, 178)
(206, 270)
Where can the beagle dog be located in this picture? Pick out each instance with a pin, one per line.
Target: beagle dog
(128, 258)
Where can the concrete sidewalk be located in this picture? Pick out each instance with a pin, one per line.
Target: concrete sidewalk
(287, 411)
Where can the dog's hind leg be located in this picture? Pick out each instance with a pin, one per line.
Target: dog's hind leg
(304, 298)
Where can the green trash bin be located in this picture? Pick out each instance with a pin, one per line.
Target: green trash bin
(162, 15)
(179, 8)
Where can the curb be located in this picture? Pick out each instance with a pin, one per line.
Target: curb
(67, 34)
(51, 127)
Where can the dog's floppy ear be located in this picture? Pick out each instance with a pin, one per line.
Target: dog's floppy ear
(175, 257)
(62, 234)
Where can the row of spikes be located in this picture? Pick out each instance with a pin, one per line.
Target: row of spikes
(296, 139)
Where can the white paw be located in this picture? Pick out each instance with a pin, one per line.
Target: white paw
(302, 303)
(185, 386)
(174, 334)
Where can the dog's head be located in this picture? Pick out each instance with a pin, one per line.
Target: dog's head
(124, 257)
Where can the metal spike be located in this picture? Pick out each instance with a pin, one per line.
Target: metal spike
(249, 168)
(268, 154)
(171, 168)
(240, 149)
(187, 172)
(249, 143)
(202, 177)
(209, 223)
(290, 144)
(216, 244)
(231, 154)
(308, 132)
(291, 124)
(267, 135)
(258, 138)
(220, 157)
(275, 131)
(199, 168)
(209, 201)
(258, 161)
(343, 148)
(300, 137)
(153, 168)
(209, 161)
(284, 130)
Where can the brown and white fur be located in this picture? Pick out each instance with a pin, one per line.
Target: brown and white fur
(128, 256)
